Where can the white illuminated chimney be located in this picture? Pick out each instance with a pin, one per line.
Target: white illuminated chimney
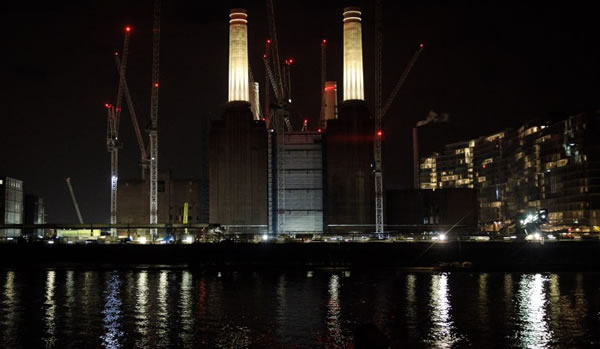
(238, 56)
(353, 60)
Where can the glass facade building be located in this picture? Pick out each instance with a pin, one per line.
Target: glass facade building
(552, 165)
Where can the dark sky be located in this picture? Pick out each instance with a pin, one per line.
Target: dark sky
(490, 65)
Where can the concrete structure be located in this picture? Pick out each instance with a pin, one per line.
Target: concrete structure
(353, 60)
(238, 56)
(238, 169)
(303, 170)
(35, 213)
(11, 205)
(430, 209)
(348, 156)
(172, 194)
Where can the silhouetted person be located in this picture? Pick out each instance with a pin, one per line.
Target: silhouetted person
(369, 336)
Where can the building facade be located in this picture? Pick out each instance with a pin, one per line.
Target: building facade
(302, 202)
(35, 213)
(552, 165)
(11, 205)
(134, 204)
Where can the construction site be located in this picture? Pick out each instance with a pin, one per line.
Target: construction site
(264, 179)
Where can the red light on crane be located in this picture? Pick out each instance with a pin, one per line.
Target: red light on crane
(268, 41)
(128, 29)
(324, 41)
(421, 45)
(116, 53)
(156, 84)
(291, 60)
(379, 133)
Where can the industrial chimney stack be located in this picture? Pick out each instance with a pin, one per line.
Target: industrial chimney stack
(353, 60)
(238, 56)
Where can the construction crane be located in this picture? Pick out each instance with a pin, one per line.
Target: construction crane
(380, 112)
(323, 77)
(153, 131)
(279, 116)
(138, 133)
(74, 200)
(112, 133)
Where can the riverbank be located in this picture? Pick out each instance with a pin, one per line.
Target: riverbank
(488, 256)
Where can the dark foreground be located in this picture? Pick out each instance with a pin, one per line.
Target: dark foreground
(489, 256)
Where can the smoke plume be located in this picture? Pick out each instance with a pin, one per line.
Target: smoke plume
(434, 117)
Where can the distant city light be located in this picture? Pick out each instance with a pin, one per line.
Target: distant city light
(265, 237)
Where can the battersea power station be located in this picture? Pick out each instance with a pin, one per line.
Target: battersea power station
(265, 177)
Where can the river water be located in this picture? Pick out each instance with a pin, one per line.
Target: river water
(177, 307)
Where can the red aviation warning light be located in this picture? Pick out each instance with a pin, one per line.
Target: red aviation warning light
(268, 41)
(379, 133)
(320, 130)
(128, 29)
(324, 41)
(155, 84)
(421, 45)
(116, 53)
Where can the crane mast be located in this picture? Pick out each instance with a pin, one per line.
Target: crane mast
(381, 110)
(112, 135)
(378, 120)
(153, 132)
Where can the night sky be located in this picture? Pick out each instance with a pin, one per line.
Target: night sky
(489, 65)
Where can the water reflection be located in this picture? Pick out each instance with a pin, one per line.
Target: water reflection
(281, 305)
(411, 308)
(442, 333)
(141, 308)
(163, 314)
(185, 307)
(9, 304)
(112, 312)
(50, 309)
(334, 328)
(69, 293)
(532, 326)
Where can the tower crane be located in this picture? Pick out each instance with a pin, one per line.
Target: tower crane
(153, 131)
(323, 77)
(280, 115)
(74, 200)
(380, 112)
(112, 134)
